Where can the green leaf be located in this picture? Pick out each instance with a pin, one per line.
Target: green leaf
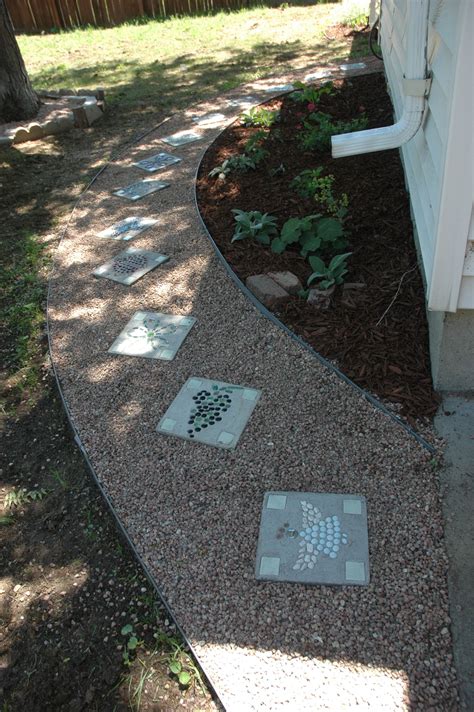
(317, 264)
(132, 643)
(184, 678)
(127, 629)
(263, 239)
(329, 229)
(337, 261)
(310, 242)
(278, 246)
(291, 231)
(175, 667)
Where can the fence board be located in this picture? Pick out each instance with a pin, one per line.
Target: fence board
(39, 15)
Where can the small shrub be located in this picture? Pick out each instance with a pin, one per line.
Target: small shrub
(308, 94)
(319, 127)
(332, 274)
(254, 225)
(314, 233)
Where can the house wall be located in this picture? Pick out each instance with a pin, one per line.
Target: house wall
(438, 164)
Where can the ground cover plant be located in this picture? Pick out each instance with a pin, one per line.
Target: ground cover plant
(69, 585)
(334, 221)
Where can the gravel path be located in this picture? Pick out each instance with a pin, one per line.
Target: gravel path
(193, 511)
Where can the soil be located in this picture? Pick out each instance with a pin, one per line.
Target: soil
(68, 580)
(380, 338)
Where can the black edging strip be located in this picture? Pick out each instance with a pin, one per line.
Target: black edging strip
(271, 316)
(118, 522)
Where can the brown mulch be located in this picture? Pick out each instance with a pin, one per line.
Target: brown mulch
(385, 353)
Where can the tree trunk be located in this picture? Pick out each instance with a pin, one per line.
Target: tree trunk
(18, 101)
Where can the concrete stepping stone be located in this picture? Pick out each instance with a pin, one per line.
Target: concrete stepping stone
(127, 229)
(207, 119)
(279, 88)
(318, 74)
(352, 67)
(131, 264)
(243, 102)
(313, 538)
(210, 412)
(157, 162)
(135, 191)
(180, 138)
(153, 335)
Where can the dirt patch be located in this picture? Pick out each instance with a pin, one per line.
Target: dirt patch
(380, 340)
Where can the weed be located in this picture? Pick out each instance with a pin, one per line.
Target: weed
(253, 224)
(131, 643)
(56, 475)
(179, 662)
(17, 498)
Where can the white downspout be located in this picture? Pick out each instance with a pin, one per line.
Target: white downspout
(415, 86)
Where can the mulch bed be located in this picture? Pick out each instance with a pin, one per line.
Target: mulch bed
(388, 356)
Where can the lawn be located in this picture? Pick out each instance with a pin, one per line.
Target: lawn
(69, 582)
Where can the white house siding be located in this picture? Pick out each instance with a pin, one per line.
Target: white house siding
(439, 185)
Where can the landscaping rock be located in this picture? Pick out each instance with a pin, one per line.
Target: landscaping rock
(266, 290)
(287, 281)
(321, 298)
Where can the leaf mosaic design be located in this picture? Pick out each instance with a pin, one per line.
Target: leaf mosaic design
(209, 408)
(319, 537)
(153, 331)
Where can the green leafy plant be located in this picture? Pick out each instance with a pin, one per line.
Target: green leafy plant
(255, 225)
(319, 127)
(259, 116)
(312, 184)
(17, 498)
(255, 141)
(253, 154)
(309, 94)
(314, 233)
(131, 644)
(328, 275)
(179, 662)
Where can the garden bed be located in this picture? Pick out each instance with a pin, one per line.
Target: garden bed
(379, 335)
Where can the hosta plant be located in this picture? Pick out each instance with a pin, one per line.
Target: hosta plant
(254, 225)
(259, 116)
(333, 273)
(319, 127)
(242, 162)
(307, 94)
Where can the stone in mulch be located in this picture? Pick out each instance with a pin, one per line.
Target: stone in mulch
(180, 138)
(211, 412)
(127, 229)
(313, 538)
(135, 191)
(153, 335)
(287, 281)
(157, 162)
(266, 290)
(131, 264)
(321, 298)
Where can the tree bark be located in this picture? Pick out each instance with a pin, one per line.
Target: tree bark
(18, 101)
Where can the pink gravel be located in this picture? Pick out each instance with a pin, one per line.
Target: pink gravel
(193, 511)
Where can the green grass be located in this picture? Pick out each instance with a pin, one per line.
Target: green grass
(170, 63)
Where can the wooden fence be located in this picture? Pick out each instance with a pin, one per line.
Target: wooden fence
(38, 15)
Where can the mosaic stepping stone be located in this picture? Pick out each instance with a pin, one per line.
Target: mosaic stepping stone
(153, 335)
(243, 101)
(130, 265)
(157, 162)
(135, 191)
(319, 74)
(313, 538)
(127, 229)
(209, 119)
(356, 65)
(180, 138)
(279, 88)
(210, 412)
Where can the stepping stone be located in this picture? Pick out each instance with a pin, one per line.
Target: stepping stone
(209, 119)
(210, 412)
(182, 137)
(319, 74)
(157, 162)
(128, 228)
(279, 88)
(135, 191)
(349, 67)
(313, 538)
(243, 101)
(130, 265)
(153, 335)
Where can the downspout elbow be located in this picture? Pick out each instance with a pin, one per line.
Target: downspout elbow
(382, 139)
